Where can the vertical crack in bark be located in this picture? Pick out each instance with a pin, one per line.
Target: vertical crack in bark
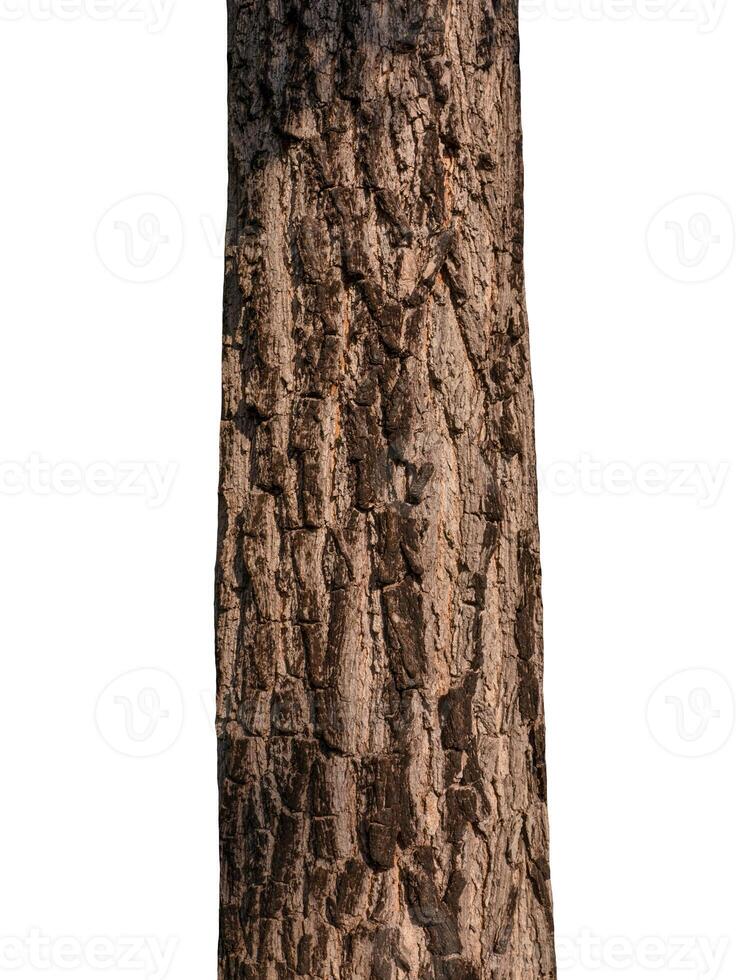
(380, 717)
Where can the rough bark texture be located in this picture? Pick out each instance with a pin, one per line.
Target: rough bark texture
(378, 597)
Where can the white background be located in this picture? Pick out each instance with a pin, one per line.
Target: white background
(109, 400)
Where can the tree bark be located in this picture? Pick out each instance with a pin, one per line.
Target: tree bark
(379, 644)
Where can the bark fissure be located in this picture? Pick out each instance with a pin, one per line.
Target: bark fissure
(380, 717)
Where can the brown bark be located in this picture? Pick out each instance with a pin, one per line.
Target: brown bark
(378, 594)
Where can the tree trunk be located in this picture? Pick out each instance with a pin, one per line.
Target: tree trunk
(379, 642)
